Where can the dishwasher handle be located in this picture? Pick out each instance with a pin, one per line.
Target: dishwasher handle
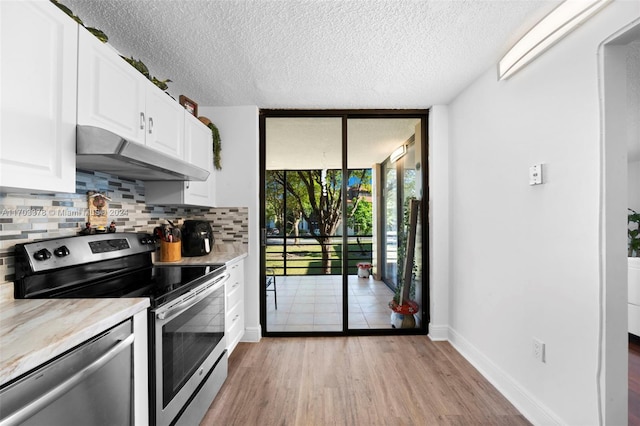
(32, 408)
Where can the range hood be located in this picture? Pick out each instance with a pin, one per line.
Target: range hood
(101, 150)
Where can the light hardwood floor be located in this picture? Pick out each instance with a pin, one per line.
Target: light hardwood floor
(634, 380)
(370, 380)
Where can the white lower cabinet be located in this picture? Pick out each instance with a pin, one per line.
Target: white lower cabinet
(634, 295)
(38, 80)
(140, 369)
(234, 293)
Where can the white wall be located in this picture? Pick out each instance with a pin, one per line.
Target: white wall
(439, 226)
(237, 185)
(634, 185)
(525, 259)
(633, 124)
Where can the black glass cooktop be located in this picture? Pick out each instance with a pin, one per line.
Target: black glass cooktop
(117, 279)
(159, 283)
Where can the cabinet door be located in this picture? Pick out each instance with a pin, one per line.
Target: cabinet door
(165, 122)
(111, 93)
(234, 308)
(38, 102)
(235, 285)
(198, 151)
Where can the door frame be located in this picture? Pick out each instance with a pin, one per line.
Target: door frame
(612, 373)
(346, 114)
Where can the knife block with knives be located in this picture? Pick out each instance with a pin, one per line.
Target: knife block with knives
(170, 243)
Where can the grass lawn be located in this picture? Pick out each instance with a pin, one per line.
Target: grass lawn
(306, 258)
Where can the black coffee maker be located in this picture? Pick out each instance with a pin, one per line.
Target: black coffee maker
(197, 238)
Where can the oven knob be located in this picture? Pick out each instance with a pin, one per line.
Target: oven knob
(61, 251)
(147, 240)
(43, 254)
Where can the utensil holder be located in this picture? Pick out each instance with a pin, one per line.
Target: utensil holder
(170, 252)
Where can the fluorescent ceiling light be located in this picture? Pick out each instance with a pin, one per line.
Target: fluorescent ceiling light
(552, 28)
(398, 153)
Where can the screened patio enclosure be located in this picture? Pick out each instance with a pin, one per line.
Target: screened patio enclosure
(339, 245)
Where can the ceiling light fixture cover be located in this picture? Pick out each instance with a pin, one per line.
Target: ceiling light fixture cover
(398, 153)
(551, 29)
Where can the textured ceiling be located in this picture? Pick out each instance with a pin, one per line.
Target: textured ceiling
(314, 53)
(303, 143)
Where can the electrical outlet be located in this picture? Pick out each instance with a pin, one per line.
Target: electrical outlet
(535, 174)
(538, 350)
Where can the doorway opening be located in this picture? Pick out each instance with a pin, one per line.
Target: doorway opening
(620, 280)
(340, 251)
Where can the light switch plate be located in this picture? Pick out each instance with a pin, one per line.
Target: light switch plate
(535, 174)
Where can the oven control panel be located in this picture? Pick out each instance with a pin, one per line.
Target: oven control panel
(57, 253)
(108, 245)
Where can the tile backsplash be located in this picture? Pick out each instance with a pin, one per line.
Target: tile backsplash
(26, 217)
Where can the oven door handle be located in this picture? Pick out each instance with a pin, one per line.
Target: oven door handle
(175, 310)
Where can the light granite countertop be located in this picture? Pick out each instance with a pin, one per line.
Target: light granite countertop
(221, 253)
(33, 331)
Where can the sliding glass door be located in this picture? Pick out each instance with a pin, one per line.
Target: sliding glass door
(338, 244)
(387, 146)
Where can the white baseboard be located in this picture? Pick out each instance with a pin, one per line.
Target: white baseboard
(527, 404)
(252, 334)
(438, 332)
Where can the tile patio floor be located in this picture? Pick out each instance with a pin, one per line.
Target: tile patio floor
(314, 303)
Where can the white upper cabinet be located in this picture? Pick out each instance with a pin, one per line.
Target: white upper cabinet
(113, 95)
(199, 152)
(38, 80)
(165, 122)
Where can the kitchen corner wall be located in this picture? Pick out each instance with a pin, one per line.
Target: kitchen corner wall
(26, 217)
(633, 124)
(526, 261)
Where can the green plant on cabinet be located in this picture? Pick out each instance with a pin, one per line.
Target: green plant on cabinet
(136, 63)
(96, 32)
(633, 231)
(217, 142)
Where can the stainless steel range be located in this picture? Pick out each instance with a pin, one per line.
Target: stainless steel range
(187, 355)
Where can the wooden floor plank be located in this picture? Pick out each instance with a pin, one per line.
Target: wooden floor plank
(634, 380)
(372, 380)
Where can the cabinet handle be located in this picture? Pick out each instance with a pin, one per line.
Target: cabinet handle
(150, 125)
(142, 121)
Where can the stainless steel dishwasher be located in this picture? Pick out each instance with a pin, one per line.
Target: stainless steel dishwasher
(91, 384)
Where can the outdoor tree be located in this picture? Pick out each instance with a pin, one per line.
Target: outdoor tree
(361, 217)
(316, 196)
(274, 201)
